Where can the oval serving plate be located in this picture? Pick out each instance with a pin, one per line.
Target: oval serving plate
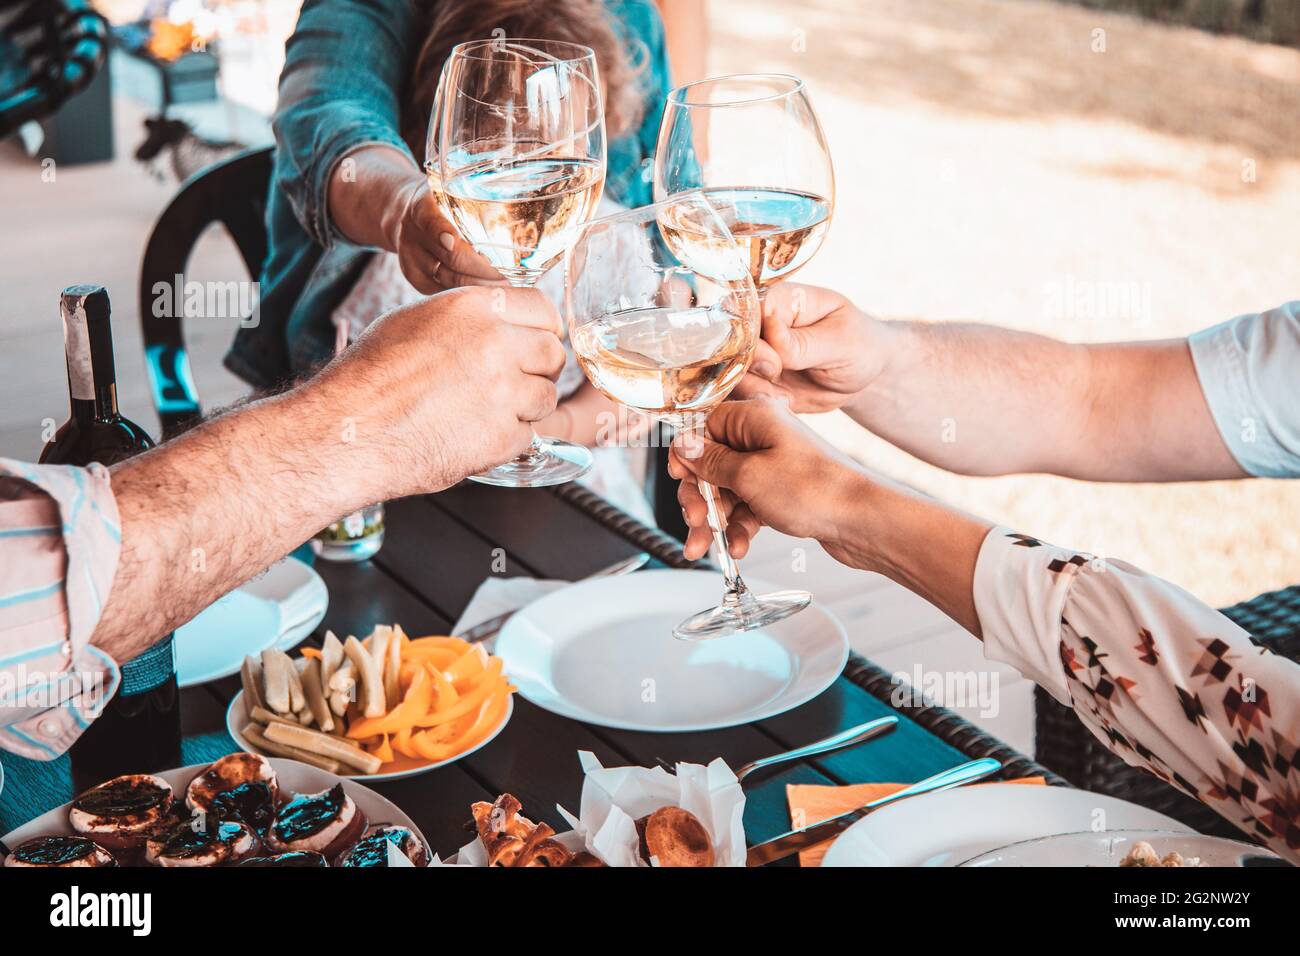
(293, 777)
(402, 767)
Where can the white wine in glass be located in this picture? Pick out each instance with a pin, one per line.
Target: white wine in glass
(777, 230)
(516, 157)
(522, 215)
(752, 145)
(670, 341)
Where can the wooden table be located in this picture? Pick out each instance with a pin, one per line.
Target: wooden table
(437, 552)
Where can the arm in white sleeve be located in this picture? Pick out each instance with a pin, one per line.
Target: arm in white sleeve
(1249, 369)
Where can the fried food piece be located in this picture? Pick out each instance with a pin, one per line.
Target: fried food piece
(255, 735)
(672, 836)
(325, 745)
(513, 840)
(314, 689)
(250, 676)
(372, 700)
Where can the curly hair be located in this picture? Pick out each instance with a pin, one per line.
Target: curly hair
(449, 22)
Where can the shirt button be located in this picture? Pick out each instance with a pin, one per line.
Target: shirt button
(50, 728)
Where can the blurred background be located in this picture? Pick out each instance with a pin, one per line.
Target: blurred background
(1094, 171)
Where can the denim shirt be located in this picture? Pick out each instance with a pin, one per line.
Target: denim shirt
(345, 67)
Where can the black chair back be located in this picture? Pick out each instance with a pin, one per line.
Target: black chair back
(232, 192)
(61, 44)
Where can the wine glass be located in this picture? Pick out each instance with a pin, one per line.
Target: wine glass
(666, 323)
(516, 157)
(752, 144)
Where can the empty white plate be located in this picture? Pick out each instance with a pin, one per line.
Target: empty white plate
(603, 652)
(280, 607)
(953, 826)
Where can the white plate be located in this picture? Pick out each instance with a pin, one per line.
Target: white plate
(293, 777)
(279, 608)
(603, 652)
(951, 827)
(1110, 848)
(403, 766)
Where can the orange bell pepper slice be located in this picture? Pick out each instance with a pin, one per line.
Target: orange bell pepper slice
(383, 751)
(489, 717)
(467, 702)
(402, 744)
(415, 705)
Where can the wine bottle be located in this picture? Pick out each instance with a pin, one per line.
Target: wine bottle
(139, 730)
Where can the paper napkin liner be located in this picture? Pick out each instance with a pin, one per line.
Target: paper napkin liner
(614, 798)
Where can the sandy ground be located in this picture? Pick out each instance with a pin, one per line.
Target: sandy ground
(990, 163)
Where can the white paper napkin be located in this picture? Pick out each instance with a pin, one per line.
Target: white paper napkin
(614, 798)
(498, 595)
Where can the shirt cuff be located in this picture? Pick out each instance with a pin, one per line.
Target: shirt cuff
(1021, 585)
(1246, 369)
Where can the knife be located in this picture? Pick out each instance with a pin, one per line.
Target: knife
(778, 848)
(492, 626)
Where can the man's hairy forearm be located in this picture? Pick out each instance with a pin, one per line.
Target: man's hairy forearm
(204, 513)
(982, 400)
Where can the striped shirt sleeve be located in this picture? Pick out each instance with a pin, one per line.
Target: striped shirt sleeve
(60, 539)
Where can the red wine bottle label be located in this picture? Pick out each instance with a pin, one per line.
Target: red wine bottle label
(153, 667)
(76, 343)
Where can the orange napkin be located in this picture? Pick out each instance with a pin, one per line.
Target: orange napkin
(811, 803)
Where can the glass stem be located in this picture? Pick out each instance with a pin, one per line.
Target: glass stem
(737, 592)
(532, 454)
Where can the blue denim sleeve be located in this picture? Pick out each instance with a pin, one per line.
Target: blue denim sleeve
(345, 66)
(631, 158)
(1247, 369)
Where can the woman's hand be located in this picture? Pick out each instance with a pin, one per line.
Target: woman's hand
(378, 197)
(779, 473)
(775, 471)
(818, 352)
(432, 254)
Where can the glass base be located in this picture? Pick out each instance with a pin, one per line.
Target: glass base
(550, 461)
(743, 613)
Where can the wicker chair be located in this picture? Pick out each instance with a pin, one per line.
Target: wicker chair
(1065, 745)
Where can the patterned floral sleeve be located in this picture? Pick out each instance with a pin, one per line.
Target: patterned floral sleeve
(59, 546)
(1165, 681)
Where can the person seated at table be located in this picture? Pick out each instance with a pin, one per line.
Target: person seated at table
(353, 226)
(97, 564)
(1165, 681)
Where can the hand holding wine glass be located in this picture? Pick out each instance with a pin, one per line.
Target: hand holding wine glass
(751, 147)
(516, 156)
(671, 343)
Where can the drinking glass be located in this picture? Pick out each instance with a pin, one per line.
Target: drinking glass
(516, 157)
(666, 323)
(752, 144)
